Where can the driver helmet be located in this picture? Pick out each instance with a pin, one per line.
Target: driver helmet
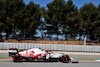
(39, 47)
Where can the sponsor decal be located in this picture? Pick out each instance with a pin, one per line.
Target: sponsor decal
(13, 51)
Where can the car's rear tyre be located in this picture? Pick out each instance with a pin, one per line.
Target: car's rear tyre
(66, 59)
(17, 58)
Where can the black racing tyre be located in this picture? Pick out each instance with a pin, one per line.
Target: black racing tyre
(66, 59)
(17, 58)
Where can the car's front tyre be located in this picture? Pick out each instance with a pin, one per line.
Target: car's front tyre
(66, 59)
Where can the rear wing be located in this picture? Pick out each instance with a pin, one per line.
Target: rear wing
(13, 51)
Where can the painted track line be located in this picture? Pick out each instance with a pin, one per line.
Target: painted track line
(6, 58)
(87, 59)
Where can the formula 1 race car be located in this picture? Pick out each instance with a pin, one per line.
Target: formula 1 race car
(36, 54)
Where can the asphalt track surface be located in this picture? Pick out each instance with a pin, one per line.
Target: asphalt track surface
(10, 63)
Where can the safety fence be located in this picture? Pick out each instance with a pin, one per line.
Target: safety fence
(57, 47)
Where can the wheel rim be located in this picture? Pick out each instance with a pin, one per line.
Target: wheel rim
(17, 58)
(66, 59)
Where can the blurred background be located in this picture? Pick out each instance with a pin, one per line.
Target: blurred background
(50, 21)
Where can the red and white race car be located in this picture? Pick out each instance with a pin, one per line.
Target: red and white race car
(36, 54)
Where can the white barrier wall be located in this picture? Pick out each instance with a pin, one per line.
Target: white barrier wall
(51, 47)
